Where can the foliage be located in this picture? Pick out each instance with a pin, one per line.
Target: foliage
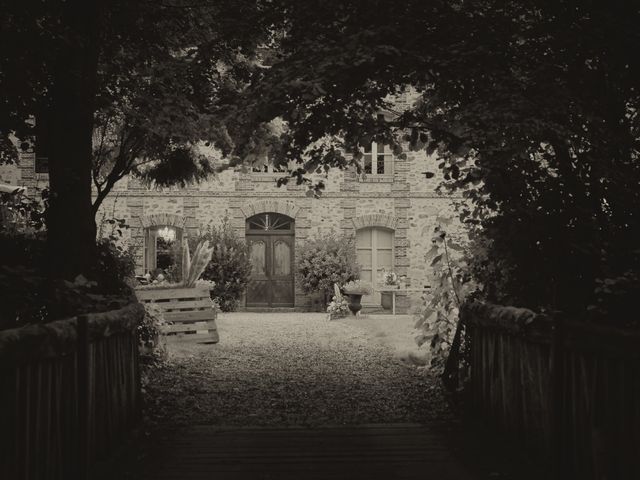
(192, 270)
(116, 262)
(30, 295)
(22, 214)
(357, 287)
(530, 107)
(339, 306)
(115, 265)
(390, 278)
(150, 339)
(451, 286)
(154, 117)
(229, 267)
(325, 260)
(151, 78)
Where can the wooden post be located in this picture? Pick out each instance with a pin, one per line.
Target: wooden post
(558, 452)
(83, 397)
(452, 364)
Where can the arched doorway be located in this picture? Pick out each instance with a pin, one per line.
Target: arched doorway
(374, 250)
(270, 237)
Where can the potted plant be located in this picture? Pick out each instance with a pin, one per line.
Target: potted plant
(389, 280)
(356, 289)
(188, 310)
(339, 306)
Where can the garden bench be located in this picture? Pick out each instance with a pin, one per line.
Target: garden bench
(189, 313)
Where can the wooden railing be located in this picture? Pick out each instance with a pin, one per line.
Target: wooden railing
(69, 392)
(569, 392)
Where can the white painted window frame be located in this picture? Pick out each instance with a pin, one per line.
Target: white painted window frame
(374, 161)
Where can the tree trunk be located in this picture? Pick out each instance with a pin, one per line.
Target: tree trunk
(70, 221)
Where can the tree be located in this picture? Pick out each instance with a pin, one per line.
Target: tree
(532, 108)
(151, 74)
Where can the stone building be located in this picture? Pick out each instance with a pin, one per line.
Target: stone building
(391, 211)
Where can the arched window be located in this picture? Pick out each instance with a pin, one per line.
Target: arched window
(374, 252)
(162, 247)
(266, 222)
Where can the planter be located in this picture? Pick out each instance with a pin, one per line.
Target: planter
(355, 300)
(189, 312)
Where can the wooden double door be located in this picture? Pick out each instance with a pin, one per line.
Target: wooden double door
(272, 275)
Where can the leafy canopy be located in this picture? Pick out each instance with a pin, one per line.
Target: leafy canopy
(531, 107)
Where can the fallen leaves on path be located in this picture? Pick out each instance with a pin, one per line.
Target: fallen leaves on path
(289, 369)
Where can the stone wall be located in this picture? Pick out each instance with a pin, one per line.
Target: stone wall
(408, 203)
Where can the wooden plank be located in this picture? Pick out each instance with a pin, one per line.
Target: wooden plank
(350, 452)
(169, 293)
(190, 327)
(209, 337)
(205, 303)
(190, 316)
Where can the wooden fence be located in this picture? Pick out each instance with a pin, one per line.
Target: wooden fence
(69, 392)
(569, 392)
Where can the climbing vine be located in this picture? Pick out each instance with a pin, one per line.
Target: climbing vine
(452, 284)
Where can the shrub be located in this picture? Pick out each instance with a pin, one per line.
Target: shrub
(31, 294)
(357, 287)
(452, 284)
(229, 267)
(325, 260)
(150, 340)
(21, 214)
(115, 265)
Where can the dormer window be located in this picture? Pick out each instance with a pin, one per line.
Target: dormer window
(378, 160)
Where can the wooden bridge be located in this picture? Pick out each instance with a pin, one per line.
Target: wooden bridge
(396, 451)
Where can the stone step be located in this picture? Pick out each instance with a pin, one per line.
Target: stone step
(272, 309)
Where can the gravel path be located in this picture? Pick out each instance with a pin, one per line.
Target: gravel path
(295, 369)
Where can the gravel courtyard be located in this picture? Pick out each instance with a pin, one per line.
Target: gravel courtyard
(296, 369)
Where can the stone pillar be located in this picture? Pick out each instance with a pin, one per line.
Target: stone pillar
(27, 163)
(189, 207)
(135, 210)
(237, 218)
(302, 227)
(400, 189)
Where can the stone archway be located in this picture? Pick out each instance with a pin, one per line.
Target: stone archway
(163, 219)
(267, 205)
(375, 220)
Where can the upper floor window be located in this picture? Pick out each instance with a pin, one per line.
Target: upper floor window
(377, 160)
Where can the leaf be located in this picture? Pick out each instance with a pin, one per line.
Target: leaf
(454, 246)
(432, 252)
(424, 317)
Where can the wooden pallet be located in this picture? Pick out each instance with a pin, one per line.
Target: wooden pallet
(189, 313)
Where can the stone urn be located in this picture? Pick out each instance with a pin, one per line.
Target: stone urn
(355, 299)
(356, 289)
